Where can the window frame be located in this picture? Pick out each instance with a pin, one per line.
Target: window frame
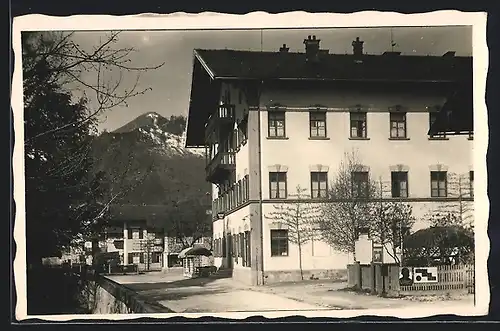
(393, 119)
(281, 242)
(317, 117)
(395, 174)
(278, 181)
(356, 185)
(438, 180)
(315, 177)
(363, 120)
(274, 117)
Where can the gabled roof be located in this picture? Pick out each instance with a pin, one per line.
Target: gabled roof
(233, 64)
(213, 66)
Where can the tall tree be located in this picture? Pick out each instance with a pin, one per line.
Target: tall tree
(299, 218)
(390, 222)
(188, 220)
(64, 198)
(347, 208)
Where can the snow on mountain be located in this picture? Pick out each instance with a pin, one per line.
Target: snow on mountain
(155, 128)
(169, 142)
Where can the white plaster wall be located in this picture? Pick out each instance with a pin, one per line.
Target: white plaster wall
(379, 153)
(315, 254)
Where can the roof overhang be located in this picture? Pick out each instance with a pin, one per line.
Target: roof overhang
(456, 117)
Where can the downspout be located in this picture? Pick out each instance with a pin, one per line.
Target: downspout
(260, 184)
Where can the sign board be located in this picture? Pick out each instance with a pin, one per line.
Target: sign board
(405, 276)
(423, 275)
(378, 254)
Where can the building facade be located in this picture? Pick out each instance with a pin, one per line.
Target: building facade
(137, 234)
(275, 121)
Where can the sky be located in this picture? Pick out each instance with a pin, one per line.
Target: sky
(171, 84)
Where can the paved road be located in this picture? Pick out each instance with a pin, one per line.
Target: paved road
(214, 295)
(218, 295)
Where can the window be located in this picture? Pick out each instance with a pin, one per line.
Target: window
(399, 184)
(241, 247)
(247, 188)
(277, 185)
(135, 258)
(156, 257)
(358, 125)
(360, 184)
(317, 124)
(432, 119)
(137, 234)
(438, 184)
(276, 124)
(247, 256)
(279, 242)
(319, 184)
(398, 125)
(471, 183)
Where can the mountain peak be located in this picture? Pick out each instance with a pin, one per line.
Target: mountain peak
(164, 134)
(146, 120)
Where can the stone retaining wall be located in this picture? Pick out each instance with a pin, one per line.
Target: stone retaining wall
(100, 295)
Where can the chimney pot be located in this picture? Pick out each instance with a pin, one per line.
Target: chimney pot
(357, 47)
(312, 49)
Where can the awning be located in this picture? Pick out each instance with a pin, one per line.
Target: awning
(194, 251)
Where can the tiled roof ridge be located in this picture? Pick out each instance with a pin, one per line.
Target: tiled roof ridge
(201, 50)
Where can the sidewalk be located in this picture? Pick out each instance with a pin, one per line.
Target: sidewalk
(216, 295)
(330, 295)
(210, 295)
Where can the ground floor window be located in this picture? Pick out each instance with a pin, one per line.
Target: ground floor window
(135, 258)
(156, 257)
(246, 250)
(279, 242)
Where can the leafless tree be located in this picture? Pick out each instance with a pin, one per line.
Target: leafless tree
(390, 221)
(347, 208)
(299, 218)
(66, 63)
(460, 211)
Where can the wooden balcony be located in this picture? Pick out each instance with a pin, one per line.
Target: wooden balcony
(220, 167)
(221, 119)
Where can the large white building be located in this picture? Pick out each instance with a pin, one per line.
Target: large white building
(273, 120)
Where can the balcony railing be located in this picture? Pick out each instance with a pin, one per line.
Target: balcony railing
(224, 114)
(234, 197)
(221, 161)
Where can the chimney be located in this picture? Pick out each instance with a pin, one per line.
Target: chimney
(284, 49)
(357, 47)
(312, 48)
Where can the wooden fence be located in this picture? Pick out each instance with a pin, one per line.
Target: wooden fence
(385, 279)
(450, 278)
